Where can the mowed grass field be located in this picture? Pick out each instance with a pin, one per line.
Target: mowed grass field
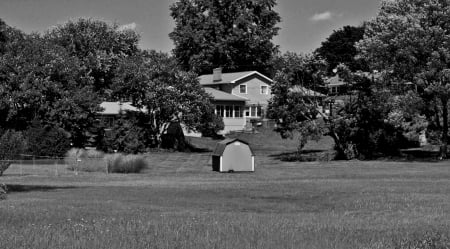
(178, 202)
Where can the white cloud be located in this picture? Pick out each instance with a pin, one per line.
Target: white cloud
(131, 26)
(324, 16)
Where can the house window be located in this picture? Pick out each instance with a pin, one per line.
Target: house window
(259, 111)
(243, 89)
(238, 112)
(220, 110)
(228, 111)
(264, 90)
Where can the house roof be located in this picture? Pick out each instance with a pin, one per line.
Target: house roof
(306, 92)
(114, 108)
(334, 81)
(227, 78)
(220, 146)
(221, 95)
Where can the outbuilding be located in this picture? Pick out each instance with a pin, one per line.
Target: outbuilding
(233, 155)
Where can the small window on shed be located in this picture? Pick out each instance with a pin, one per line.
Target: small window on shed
(243, 89)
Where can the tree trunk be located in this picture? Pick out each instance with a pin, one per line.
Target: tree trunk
(444, 102)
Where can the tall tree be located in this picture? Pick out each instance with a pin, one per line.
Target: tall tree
(98, 45)
(41, 81)
(2, 36)
(294, 111)
(235, 35)
(154, 82)
(339, 48)
(409, 41)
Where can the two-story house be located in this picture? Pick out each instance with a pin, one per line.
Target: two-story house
(247, 95)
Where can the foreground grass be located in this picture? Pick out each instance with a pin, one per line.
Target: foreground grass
(180, 203)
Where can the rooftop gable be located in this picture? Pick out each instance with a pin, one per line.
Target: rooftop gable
(221, 95)
(220, 146)
(229, 78)
(305, 91)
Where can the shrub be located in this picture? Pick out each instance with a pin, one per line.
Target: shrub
(85, 160)
(47, 140)
(118, 163)
(12, 145)
(126, 136)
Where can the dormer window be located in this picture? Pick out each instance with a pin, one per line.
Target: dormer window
(243, 89)
(264, 90)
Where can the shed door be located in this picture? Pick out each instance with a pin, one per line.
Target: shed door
(238, 157)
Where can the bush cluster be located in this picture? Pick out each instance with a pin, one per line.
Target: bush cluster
(12, 145)
(85, 160)
(49, 141)
(126, 136)
(97, 161)
(118, 163)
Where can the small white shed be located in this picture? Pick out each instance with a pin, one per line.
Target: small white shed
(233, 155)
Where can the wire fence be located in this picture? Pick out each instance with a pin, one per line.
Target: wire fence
(32, 165)
(25, 164)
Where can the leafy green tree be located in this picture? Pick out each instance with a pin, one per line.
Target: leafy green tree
(3, 36)
(153, 82)
(339, 48)
(41, 81)
(98, 45)
(235, 35)
(295, 111)
(409, 41)
(46, 140)
(12, 145)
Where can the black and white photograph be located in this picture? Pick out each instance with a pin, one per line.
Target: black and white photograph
(224, 124)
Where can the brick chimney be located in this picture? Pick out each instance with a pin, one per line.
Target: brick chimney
(217, 74)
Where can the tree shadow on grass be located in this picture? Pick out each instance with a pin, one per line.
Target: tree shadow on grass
(305, 156)
(31, 188)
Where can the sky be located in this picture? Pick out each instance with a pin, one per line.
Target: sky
(305, 23)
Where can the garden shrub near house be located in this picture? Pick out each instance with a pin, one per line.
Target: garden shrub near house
(126, 136)
(118, 163)
(12, 145)
(85, 160)
(47, 141)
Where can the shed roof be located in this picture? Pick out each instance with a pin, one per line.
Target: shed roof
(114, 108)
(220, 147)
(335, 81)
(305, 91)
(221, 95)
(207, 79)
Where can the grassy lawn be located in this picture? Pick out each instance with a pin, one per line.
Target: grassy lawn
(180, 203)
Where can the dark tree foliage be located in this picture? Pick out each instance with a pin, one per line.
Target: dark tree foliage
(409, 40)
(128, 135)
(98, 45)
(154, 82)
(235, 35)
(40, 80)
(293, 110)
(339, 48)
(46, 140)
(3, 36)
(12, 145)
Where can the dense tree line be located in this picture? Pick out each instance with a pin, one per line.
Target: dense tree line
(59, 79)
(397, 69)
